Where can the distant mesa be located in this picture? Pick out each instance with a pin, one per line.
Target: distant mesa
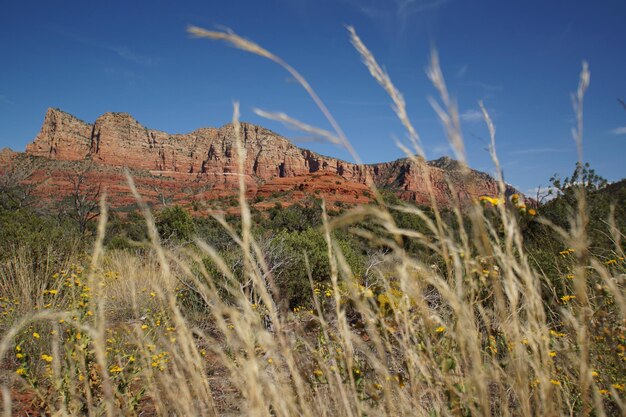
(202, 165)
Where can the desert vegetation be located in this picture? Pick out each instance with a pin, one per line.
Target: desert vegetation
(500, 307)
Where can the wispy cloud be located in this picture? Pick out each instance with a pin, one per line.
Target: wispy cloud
(129, 77)
(619, 131)
(485, 90)
(532, 151)
(471, 115)
(440, 150)
(395, 13)
(461, 71)
(410, 7)
(5, 100)
(122, 51)
(485, 86)
(126, 53)
(365, 103)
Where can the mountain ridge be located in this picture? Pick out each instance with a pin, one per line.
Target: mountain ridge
(205, 158)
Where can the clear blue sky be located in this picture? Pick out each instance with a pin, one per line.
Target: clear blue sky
(522, 58)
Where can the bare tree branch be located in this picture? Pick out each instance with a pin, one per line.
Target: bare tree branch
(16, 185)
(84, 196)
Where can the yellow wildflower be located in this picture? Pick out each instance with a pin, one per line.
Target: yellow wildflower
(492, 200)
(115, 369)
(36, 335)
(552, 354)
(440, 329)
(383, 299)
(46, 358)
(20, 371)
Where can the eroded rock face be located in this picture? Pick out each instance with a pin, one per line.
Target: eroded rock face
(118, 139)
(207, 159)
(62, 136)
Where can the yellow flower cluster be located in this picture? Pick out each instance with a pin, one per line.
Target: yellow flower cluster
(494, 201)
(515, 200)
(614, 261)
(159, 360)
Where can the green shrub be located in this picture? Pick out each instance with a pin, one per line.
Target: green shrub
(175, 223)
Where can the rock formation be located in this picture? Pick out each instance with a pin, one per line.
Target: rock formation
(204, 163)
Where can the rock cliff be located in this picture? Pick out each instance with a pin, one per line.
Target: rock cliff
(204, 162)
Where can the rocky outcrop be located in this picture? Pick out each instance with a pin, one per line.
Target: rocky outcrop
(118, 139)
(207, 159)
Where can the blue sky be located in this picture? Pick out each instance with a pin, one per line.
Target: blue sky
(522, 59)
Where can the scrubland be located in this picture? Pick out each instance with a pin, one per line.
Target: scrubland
(501, 307)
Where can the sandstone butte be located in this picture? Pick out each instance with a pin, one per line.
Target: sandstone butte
(201, 167)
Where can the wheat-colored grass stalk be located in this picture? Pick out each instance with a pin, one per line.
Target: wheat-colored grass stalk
(447, 340)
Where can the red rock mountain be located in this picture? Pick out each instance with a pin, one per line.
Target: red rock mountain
(202, 165)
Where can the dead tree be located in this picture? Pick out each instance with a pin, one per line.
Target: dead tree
(84, 197)
(374, 259)
(17, 185)
(165, 198)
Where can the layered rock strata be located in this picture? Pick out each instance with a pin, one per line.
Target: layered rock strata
(206, 159)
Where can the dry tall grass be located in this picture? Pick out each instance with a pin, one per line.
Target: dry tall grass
(469, 337)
